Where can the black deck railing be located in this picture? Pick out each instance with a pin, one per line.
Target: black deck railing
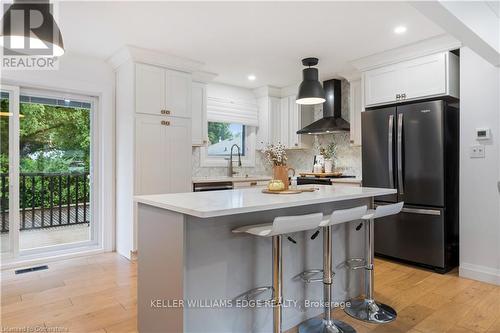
(48, 200)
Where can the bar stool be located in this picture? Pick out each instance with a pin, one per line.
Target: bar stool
(368, 309)
(280, 226)
(328, 324)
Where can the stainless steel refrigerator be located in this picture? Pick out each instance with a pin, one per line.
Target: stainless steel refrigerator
(414, 148)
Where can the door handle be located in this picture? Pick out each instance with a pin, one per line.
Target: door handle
(390, 148)
(434, 212)
(400, 154)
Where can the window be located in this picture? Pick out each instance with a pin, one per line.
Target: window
(222, 136)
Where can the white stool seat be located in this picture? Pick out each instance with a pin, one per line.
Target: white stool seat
(344, 215)
(283, 225)
(384, 210)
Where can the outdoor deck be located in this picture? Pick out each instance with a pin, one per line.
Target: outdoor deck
(54, 209)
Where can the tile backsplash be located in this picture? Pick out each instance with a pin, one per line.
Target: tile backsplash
(348, 157)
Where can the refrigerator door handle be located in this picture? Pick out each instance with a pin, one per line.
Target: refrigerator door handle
(400, 154)
(390, 149)
(421, 211)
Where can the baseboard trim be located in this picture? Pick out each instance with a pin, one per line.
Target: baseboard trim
(480, 273)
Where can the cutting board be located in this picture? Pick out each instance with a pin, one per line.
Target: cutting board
(290, 191)
(321, 174)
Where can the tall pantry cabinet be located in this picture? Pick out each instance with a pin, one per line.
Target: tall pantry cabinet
(153, 140)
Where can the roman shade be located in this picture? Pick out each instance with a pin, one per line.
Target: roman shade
(232, 111)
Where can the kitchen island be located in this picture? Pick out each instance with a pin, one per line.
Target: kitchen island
(191, 266)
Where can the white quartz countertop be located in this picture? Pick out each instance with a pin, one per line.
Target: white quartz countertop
(229, 179)
(248, 200)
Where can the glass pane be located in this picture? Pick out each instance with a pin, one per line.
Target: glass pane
(54, 179)
(5, 116)
(223, 136)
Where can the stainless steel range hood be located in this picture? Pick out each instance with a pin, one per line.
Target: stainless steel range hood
(332, 116)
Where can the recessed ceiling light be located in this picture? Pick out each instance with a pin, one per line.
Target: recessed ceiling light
(400, 29)
(252, 77)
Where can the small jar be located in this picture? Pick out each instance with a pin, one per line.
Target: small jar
(293, 183)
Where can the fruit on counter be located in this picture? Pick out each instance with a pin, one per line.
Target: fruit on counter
(276, 185)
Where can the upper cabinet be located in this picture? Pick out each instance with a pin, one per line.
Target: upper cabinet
(355, 108)
(429, 76)
(162, 91)
(298, 117)
(199, 114)
(279, 121)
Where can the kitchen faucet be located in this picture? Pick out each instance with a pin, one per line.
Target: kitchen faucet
(231, 173)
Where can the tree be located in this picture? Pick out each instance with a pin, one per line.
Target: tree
(218, 132)
(52, 138)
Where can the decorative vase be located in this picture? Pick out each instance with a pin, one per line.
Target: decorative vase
(328, 165)
(280, 172)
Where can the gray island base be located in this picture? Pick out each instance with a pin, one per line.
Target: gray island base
(191, 267)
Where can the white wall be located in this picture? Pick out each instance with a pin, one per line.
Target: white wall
(85, 76)
(479, 195)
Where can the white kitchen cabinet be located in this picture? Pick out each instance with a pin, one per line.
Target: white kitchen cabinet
(275, 115)
(162, 145)
(355, 108)
(153, 148)
(298, 117)
(178, 93)
(199, 114)
(162, 91)
(381, 85)
(279, 121)
(430, 76)
(255, 183)
(149, 89)
(283, 125)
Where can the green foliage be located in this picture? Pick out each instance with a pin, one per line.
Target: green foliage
(218, 132)
(53, 139)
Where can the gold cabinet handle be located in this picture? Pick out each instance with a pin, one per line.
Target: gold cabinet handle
(253, 184)
(165, 122)
(165, 111)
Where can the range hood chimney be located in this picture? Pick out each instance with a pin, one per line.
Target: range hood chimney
(332, 121)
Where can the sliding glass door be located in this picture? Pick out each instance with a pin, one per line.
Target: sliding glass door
(9, 124)
(49, 205)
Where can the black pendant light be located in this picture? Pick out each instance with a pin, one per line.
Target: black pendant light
(310, 90)
(37, 31)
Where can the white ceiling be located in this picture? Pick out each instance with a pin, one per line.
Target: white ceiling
(267, 39)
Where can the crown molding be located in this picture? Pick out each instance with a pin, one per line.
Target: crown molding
(136, 54)
(267, 91)
(204, 77)
(422, 48)
(351, 76)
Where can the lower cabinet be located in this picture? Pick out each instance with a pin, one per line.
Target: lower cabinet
(162, 149)
(255, 183)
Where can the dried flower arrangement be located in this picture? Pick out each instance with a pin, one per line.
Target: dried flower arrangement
(330, 151)
(275, 154)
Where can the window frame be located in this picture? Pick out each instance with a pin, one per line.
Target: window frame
(247, 160)
(244, 139)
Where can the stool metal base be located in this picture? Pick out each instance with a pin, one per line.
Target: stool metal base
(371, 311)
(318, 325)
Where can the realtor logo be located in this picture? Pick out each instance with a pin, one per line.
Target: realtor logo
(30, 36)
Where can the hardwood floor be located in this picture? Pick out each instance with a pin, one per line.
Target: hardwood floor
(98, 294)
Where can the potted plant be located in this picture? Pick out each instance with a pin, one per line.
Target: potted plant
(276, 156)
(329, 153)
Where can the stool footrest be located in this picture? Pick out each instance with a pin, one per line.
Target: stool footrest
(307, 276)
(356, 263)
(251, 294)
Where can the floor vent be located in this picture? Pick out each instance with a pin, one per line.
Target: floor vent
(31, 269)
